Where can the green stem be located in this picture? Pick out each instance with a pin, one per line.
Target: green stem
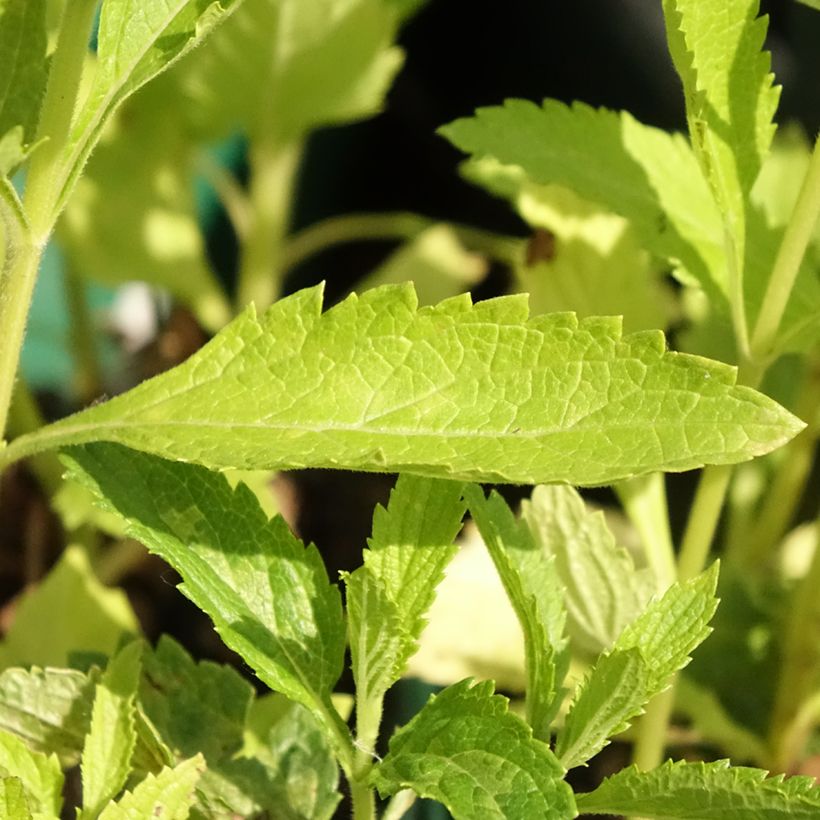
(789, 257)
(737, 300)
(787, 486)
(25, 417)
(703, 521)
(697, 539)
(798, 674)
(399, 805)
(273, 173)
(644, 499)
(400, 225)
(231, 194)
(17, 279)
(652, 731)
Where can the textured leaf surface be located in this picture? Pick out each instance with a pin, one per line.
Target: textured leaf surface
(167, 796)
(40, 776)
(284, 67)
(644, 174)
(458, 390)
(23, 68)
(672, 626)
(467, 751)
(112, 737)
(195, 707)
(730, 100)
(647, 652)
(136, 41)
(704, 791)
(613, 693)
(268, 596)
(603, 591)
(532, 584)
(92, 618)
(50, 709)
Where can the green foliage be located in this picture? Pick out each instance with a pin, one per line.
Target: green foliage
(458, 390)
(694, 791)
(443, 752)
(93, 618)
(532, 584)
(25, 70)
(38, 774)
(267, 594)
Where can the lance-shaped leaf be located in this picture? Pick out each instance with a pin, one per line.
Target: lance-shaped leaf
(112, 737)
(467, 751)
(387, 598)
(603, 591)
(137, 40)
(704, 791)
(646, 653)
(716, 46)
(23, 73)
(644, 174)
(535, 592)
(170, 794)
(456, 390)
(268, 595)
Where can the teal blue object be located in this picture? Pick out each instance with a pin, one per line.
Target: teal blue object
(47, 362)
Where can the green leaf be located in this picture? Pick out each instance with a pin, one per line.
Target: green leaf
(281, 68)
(268, 596)
(716, 46)
(92, 618)
(23, 73)
(644, 174)
(168, 795)
(603, 590)
(591, 261)
(112, 736)
(613, 693)
(195, 707)
(49, 709)
(672, 626)
(133, 214)
(457, 390)
(812, 4)
(13, 802)
(703, 791)
(40, 775)
(535, 592)
(648, 651)
(136, 41)
(467, 751)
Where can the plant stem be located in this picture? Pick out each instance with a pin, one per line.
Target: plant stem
(789, 257)
(17, 279)
(644, 499)
(273, 172)
(652, 730)
(400, 225)
(703, 520)
(798, 673)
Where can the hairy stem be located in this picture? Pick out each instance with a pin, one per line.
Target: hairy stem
(17, 278)
(273, 173)
(789, 257)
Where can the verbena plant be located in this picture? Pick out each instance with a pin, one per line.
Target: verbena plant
(445, 395)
